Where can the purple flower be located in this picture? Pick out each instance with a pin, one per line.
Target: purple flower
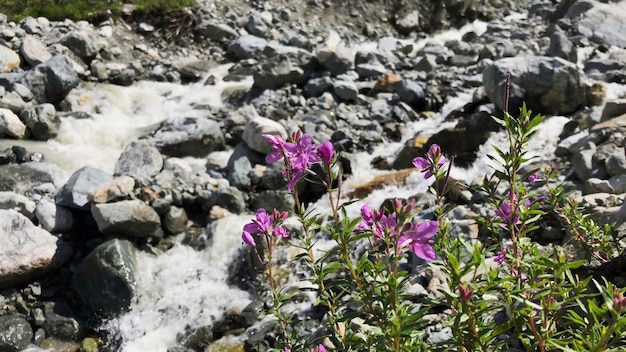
(264, 224)
(368, 218)
(326, 152)
(501, 256)
(287, 349)
(431, 163)
(507, 214)
(532, 178)
(418, 238)
(277, 144)
(465, 293)
(321, 348)
(301, 153)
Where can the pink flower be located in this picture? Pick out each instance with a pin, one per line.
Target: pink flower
(264, 224)
(465, 294)
(431, 163)
(277, 144)
(418, 238)
(501, 256)
(509, 209)
(326, 152)
(320, 348)
(287, 349)
(532, 178)
(379, 223)
(301, 153)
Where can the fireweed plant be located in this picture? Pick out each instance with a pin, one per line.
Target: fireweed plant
(520, 299)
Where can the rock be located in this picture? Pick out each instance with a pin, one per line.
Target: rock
(346, 90)
(130, 218)
(255, 129)
(75, 192)
(406, 23)
(238, 174)
(42, 121)
(27, 252)
(193, 69)
(34, 51)
(9, 59)
(560, 45)
(60, 322)
(317, 86)
(278, 71)
(605, 23)
(274, 199)
(189, 136)
(615, 163)
(106, 279)
(85, 43)
(18, 202)
(11, 125)
(218, 32)
(229, 198)
(548, 85)
(333, 55)
(15, 333)
(52, 80)
(14, 102)
(23, 177)
(618, 183)
(118, 188)
(256, 26)
(613, 108)
(596, 185)
(175, 221)
(247, 47)
(585, 166)
(140, 160)
(54, 218)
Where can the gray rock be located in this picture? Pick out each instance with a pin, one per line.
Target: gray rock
(15, 333)
(370, 70)
(334, 56)
(317, 86)
(618, 183)
(192, 69)
(218, 32)
(9, 59)
(106, 280)
(85, 43)
(52, 80)
(27, 252)
(60, 323)
(270, 199)
(18, 202)
(406, 23)
(189, 136)
(411, 93)
(238, 174)
(118, 188)
(585, 166)
(140, 160)
(54, 218)
(247, 47)
(605, 23)
(42, 121)
(23, 177)
(596, 185)
(603, 65)
(34, 51)
(278, 71)
(426, 64)
(75, 192)
(175, 220)
(229, 198)
(14, 102)
(560, 45)
(548, 85)
(256, 26)
(615, 163)
(11, 125)
(613, 108)
(255, 129)
(346, 90)
(130, 218)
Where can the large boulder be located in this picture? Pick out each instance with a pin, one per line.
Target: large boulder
(27, 252)
(52, 80)
(247, 46)
(189, 136)
(22, 177)
(11, 125)
(548, 85)
(75, 192)
(131, 218)
(85, 43)
(34, 51)
(106, 279)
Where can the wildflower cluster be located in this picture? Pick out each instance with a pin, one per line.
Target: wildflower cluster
(520, 297)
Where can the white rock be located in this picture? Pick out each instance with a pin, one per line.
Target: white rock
(252, 134)
(11, 125)
(9, 59)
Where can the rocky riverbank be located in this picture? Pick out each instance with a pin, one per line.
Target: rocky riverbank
(356, 73)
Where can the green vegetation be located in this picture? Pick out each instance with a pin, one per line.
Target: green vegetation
(82, 9)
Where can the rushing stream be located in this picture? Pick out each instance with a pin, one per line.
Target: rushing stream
(187, 287)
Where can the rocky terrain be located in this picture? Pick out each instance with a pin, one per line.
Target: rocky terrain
(354, 72)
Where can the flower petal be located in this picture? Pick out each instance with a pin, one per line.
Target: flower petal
(424, 251)
(427, 230)
(421, 163)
